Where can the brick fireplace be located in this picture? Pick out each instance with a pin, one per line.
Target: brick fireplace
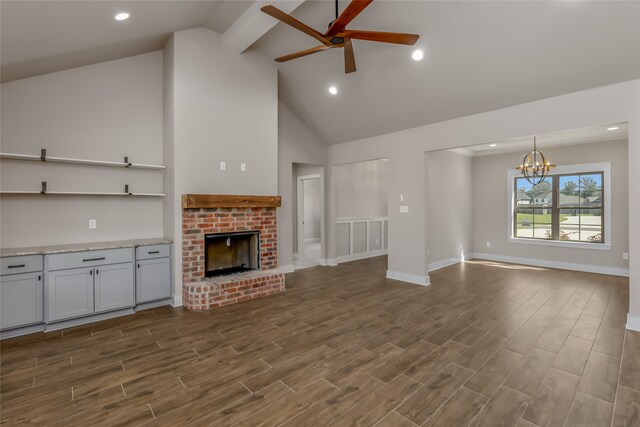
(206, 217)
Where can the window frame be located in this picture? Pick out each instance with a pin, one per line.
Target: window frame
(603, 168)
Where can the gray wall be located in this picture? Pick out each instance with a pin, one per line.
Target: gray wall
(449, 216)
(215, 115)
(312, 208)
(296, 144)
(361, 189)
(100, 112)
(491, 201)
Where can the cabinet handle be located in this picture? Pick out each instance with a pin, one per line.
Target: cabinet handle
(16, 266)
(90, 272)
(153, 252)
(97, 271)
(39, 278)
(93, 259)
(138, 265)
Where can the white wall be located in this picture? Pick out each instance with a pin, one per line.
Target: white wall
(101, 112)
(491, 205)
(361, 189)
(298, 170)
(312, 208)
(449, 216)
(222, 107)
(296, 144)
(405, 149)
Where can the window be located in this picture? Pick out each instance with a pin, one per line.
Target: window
(566, 207)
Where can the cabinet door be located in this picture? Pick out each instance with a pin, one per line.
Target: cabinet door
(114, 287)
(153, 279)
(69, 293)
(21, 297)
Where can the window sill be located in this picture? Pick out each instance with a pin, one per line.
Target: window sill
(564, 244)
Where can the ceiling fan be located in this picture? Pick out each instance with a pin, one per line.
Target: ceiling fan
(338, 35)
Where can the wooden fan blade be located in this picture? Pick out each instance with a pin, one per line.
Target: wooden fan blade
(302, 53)
(290, 20)
(349, 57)
(352, 10)
(380, 36)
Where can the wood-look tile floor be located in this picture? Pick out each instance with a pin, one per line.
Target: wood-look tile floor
(486, 344)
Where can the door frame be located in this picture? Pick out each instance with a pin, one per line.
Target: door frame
(300, 211)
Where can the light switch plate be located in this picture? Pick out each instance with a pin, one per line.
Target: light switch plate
(243, 167)
(223, 166)
(404, 209)
(488, 244)
(93, 224)
(625, 255)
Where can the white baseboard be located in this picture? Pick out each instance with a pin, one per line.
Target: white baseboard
(354, 257)
(329, 262)
(409, 278)
(633, 322)
(447, 262)
(286, 268)
(312, 240)
(177, 301)
(587, 268)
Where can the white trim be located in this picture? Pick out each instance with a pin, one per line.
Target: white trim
(605, 167)
(286, 268)
(587, 268)
(362, 255)
(437, 265)
(331, 262)
(633, 323)
(177, 301)
(409, 278)
(562, 243)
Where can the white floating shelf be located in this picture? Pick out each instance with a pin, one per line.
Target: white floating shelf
(80, 161)
(84, 193)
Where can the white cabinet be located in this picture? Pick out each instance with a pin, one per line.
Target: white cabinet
(113, 287)
(153, 279)
(69, 293)
(21, 300)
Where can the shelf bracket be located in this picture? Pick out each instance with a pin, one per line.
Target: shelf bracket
(127, 163)
(43, 154)
(43, 190)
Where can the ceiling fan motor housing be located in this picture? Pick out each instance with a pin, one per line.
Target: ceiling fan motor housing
(337, 40)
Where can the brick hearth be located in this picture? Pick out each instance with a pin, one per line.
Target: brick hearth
(201, 293)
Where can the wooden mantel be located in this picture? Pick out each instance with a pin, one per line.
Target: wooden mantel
(203, 201)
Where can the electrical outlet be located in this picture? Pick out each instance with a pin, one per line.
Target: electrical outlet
(93, 224)
(488, 244)
(243, 167)
(223, 166)
(625, 255)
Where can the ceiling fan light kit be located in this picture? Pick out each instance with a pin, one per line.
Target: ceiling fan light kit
(337, 35)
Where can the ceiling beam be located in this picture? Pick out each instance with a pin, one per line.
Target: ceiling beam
(253, 24)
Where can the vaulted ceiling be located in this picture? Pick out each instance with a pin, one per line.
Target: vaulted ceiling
(479, 55)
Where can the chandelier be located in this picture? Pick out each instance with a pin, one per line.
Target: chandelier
(534, 166)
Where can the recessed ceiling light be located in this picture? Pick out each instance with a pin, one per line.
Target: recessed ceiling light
(417, 55)
(613, 128)
(121, 16)
(333, 90)
(493, 145)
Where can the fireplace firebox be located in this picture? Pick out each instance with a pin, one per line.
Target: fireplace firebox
(229, 253)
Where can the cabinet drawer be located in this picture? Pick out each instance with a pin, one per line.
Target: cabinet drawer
(89, 258)
(21, 264)
(153, 251)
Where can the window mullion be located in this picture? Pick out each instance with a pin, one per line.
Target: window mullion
(555, 211)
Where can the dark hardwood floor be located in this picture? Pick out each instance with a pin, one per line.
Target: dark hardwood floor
(486, 344)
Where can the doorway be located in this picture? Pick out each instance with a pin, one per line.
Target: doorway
(309, 213)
